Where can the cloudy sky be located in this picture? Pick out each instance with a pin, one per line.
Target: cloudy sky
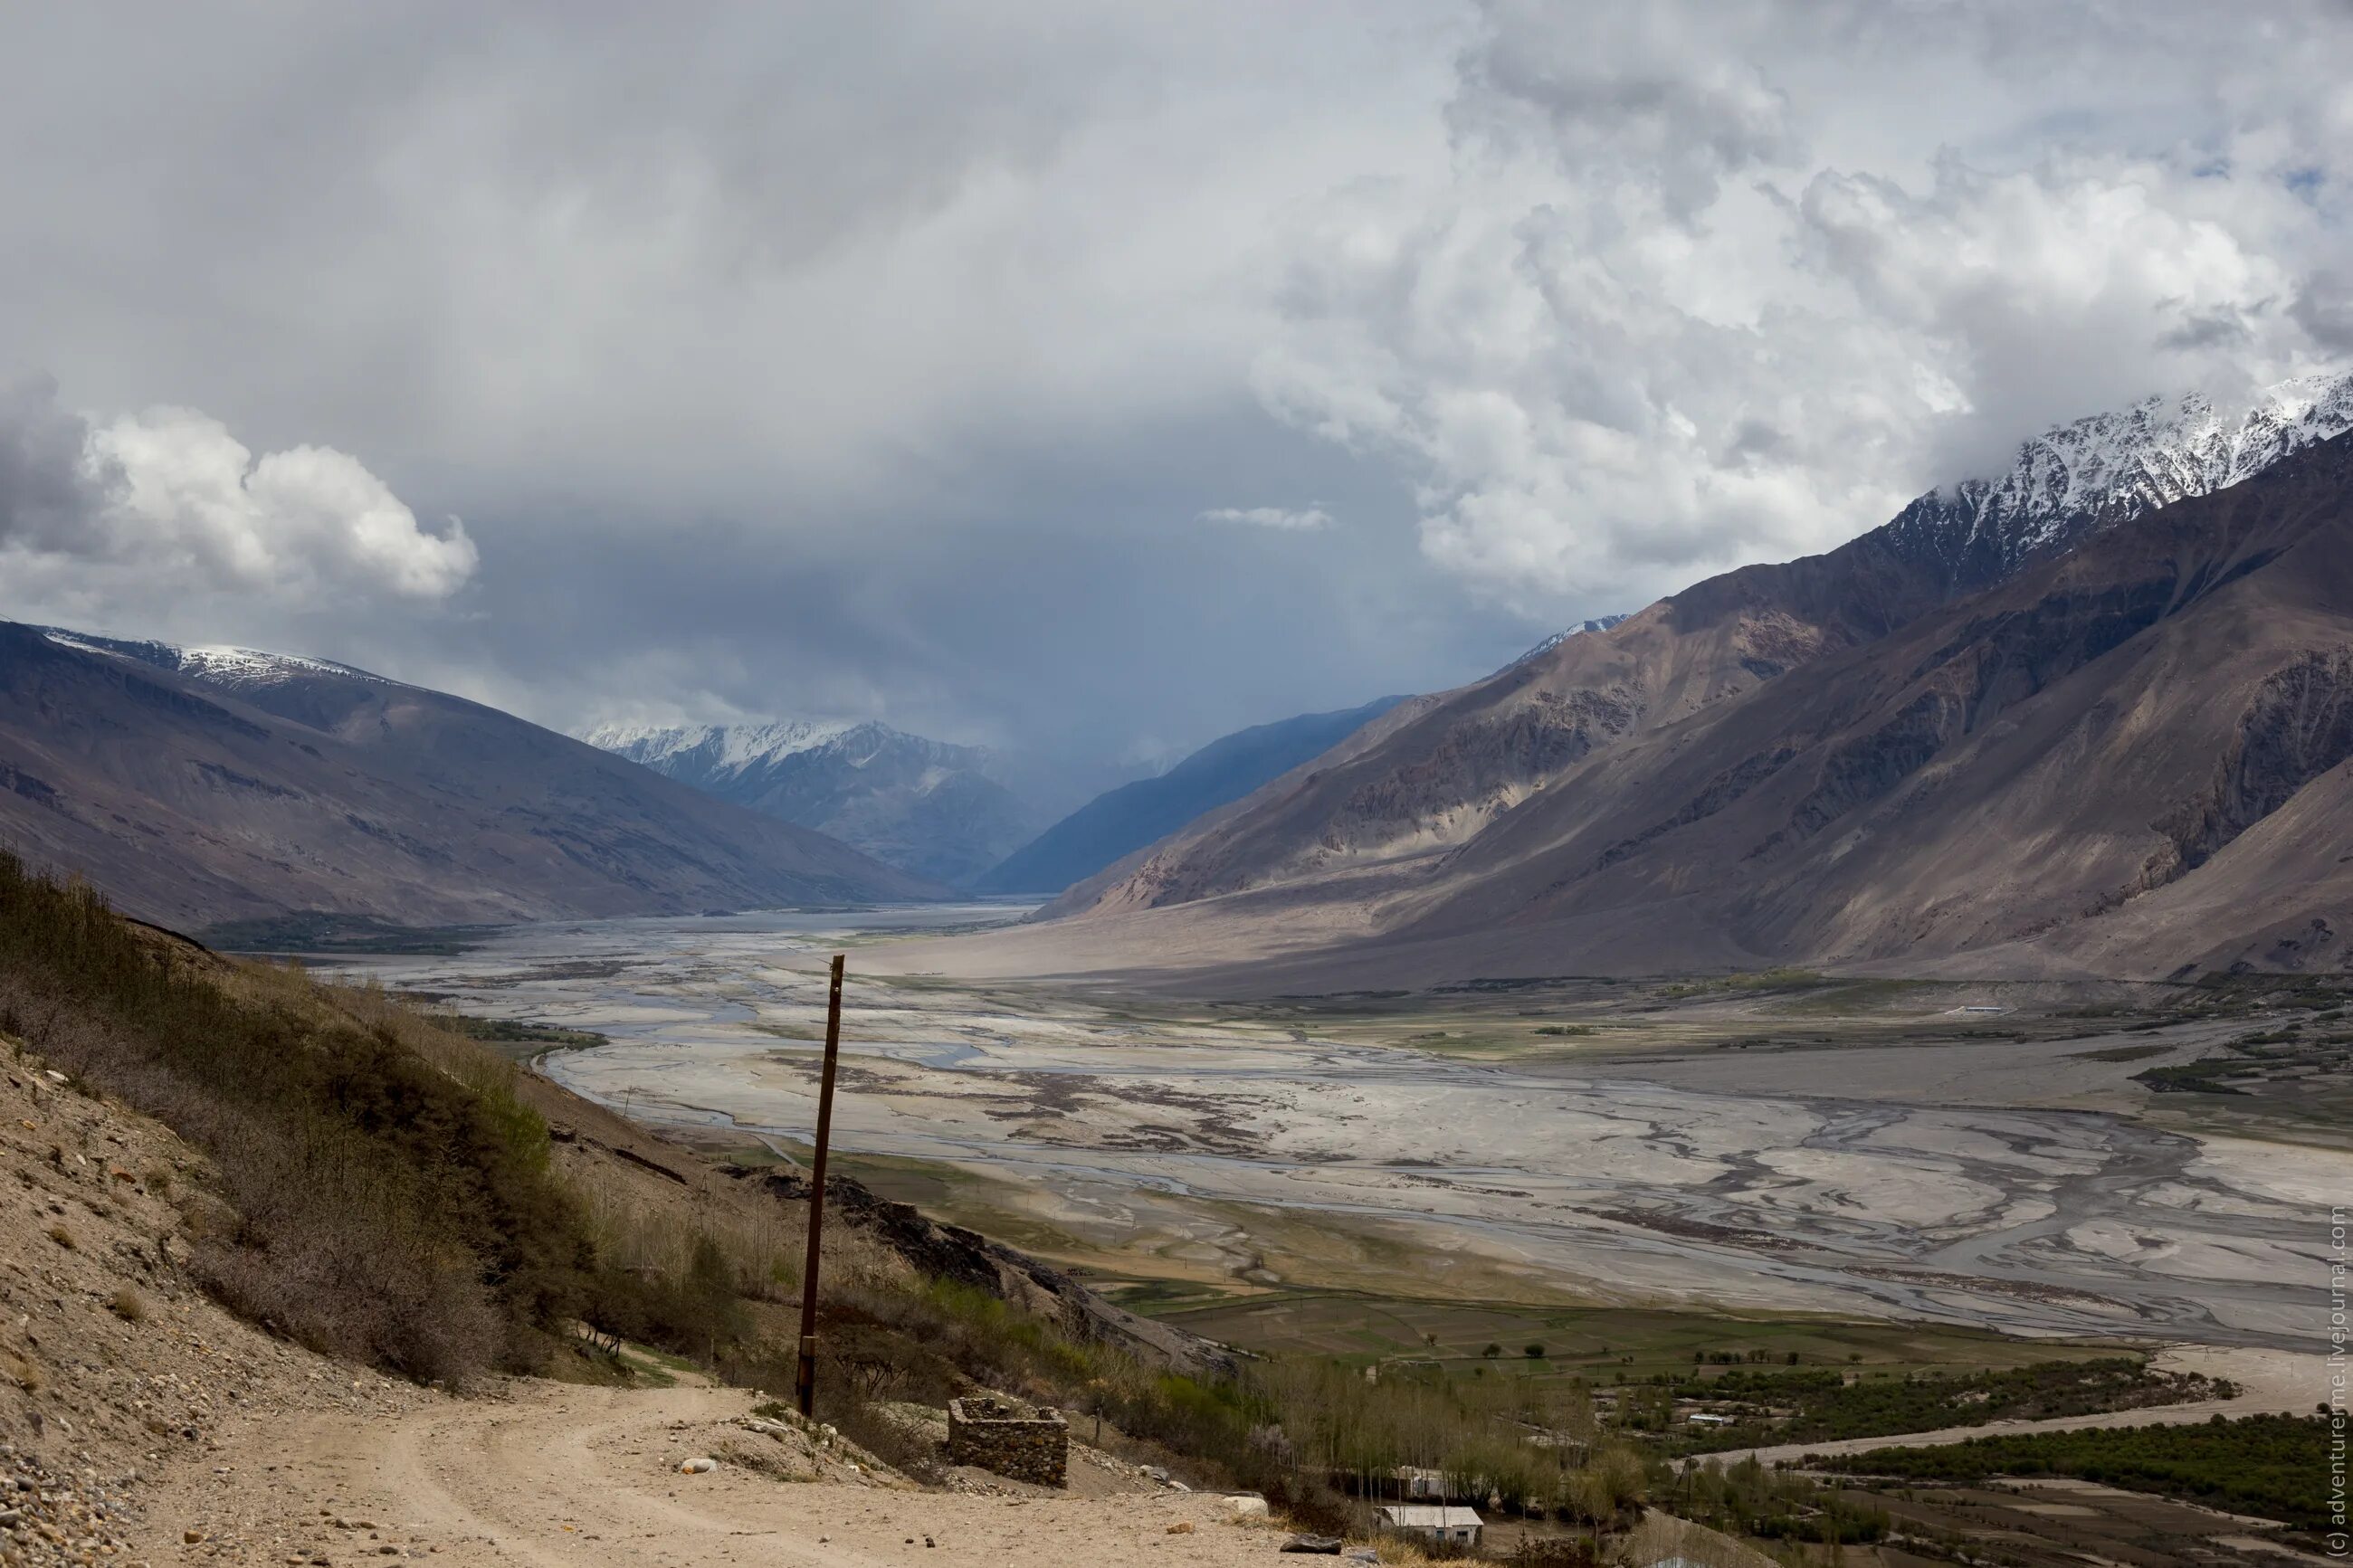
(1086, 379)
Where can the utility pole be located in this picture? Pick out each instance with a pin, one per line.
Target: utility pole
(805, 1385)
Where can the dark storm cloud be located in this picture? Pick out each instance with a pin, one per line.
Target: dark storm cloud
(982, 368)
(48, 497)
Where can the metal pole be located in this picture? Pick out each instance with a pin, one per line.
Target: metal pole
(805, 1385)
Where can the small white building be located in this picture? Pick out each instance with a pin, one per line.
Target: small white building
(1433, 1521)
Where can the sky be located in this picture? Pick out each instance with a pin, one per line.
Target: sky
(1081, 380)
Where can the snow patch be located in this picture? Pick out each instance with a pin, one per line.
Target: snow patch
(724, 750)
(2109, 469)
(218, 666)
(1582, 628)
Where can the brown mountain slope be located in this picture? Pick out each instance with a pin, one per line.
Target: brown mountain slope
(192, 798)
(1435, 773)
(1442, 770)
(2122, 758)
(2027, 762)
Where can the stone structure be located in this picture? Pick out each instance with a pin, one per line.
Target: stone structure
(1012, 1440)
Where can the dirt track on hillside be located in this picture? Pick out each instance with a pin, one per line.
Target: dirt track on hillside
(551, 1474)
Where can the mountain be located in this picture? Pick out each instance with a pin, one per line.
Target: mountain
(1582, 628)
(2081, 479)
(1769, 765)
(196, 785)
(925, 807)
(1121, 821)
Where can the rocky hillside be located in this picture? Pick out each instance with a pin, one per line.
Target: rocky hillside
(1719, 779)
(2125, 756)
(203, 785)
(932, 809)
(1448, 767)
(115, 1365)
(240, 1199)
(1121, 821)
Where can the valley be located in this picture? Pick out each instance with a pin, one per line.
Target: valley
(1452, 782)
(1987, 1156)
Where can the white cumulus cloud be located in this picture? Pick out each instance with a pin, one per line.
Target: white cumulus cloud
(147, 505)
(1713, 281)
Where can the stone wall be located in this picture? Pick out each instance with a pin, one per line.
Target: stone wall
(1011, 1439)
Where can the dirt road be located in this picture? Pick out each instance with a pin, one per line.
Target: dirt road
(551, 1474)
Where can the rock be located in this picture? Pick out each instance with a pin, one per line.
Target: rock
(698, 1466)
(192, 1536)
(1364, 1554)
(1322, 1545)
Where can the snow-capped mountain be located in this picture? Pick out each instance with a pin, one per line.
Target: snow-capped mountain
(210, 784)
(921, 805)
(1582, 628)
(719, 751)
(231, 668)
(1485, 763)
(2078, 479)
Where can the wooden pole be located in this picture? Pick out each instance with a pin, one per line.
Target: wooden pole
(804, 1385)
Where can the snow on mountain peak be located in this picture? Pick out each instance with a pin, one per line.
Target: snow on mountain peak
(2108, 469)
(248, 665)
(1598, 623)
(217, 666)
(721, 751)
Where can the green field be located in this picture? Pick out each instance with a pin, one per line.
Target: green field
(2273, 1467)
(1598, 1343)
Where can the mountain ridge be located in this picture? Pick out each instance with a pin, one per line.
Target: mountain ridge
(930, 807)
(1708, 782)
(1469, 756)
(1121, 821)
(200, 786)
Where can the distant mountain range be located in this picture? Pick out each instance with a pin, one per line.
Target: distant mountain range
(196, 785)
(2094, 714)
(926, 806)
(2093, 711)
(1126, 819)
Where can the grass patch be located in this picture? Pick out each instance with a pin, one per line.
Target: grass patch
(329, 934)
(1833, 996)
(2268, 1466)
(1828, 1406)
(1785, 978)
(1602, 1344)
(2121, 1054)
(392, 1197)
(523, 1038)
(2194, 1078)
